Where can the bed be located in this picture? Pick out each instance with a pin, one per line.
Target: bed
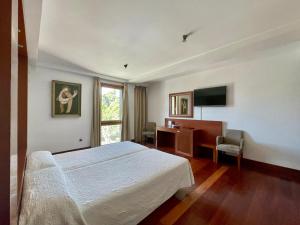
(113, 184)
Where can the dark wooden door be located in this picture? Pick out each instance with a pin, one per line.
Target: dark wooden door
(6, 11)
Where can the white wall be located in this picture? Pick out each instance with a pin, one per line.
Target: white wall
(14, 116)
(62, 133)
(263, 100)
(14, 83)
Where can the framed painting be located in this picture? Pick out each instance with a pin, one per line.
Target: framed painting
(181, 104)
(66, 99)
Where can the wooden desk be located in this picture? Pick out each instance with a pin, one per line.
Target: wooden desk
(166, 139)
(176, 140)
(189, 135)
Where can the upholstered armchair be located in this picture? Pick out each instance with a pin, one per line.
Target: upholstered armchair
(232, 143)
(149, 131)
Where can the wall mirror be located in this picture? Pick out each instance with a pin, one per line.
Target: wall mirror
(181, 104)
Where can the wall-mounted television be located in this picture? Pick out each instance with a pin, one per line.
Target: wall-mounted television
(215, 96)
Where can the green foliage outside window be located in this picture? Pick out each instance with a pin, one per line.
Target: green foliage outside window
(111, 110)
(110, 106)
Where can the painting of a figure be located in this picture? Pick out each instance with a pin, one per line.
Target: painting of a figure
(184, 106)
(66, 98)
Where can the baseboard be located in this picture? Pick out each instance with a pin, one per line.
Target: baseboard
(273, 170)
(71, 150)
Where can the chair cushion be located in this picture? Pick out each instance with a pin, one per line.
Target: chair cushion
(229, 148)
(148, 133)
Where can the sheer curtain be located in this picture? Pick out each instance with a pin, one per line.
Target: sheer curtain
(125, 126)
(96, 120)
(140, 112)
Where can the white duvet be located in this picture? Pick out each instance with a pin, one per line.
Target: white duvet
(116, 186)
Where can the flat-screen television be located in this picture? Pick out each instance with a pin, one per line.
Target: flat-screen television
(210, 96)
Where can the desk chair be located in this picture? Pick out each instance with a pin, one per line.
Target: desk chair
(149, 132)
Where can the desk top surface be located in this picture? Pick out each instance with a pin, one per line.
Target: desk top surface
(174, 129)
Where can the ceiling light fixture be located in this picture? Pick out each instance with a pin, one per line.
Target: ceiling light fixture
(185, 36)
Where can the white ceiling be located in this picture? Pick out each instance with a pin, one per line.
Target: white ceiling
(100, 36)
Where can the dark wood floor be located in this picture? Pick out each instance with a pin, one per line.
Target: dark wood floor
(248, 197)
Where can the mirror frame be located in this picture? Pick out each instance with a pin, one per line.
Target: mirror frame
(191, 109)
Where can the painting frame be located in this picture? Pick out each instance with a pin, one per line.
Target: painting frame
(65, 99)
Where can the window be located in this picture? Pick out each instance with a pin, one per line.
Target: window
(111, 114)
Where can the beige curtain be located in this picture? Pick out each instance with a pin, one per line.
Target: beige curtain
(125, 127)
(96, 120)
(140, 112)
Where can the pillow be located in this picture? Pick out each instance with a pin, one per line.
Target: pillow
(40, 160)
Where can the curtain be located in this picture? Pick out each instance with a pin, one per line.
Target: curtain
(96, 120)
(125, 127)
(140, 112)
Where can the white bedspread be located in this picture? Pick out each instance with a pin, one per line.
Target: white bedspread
(46, 200)
(117, 184)
(127, 189)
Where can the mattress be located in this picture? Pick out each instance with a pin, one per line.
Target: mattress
(115, 184)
